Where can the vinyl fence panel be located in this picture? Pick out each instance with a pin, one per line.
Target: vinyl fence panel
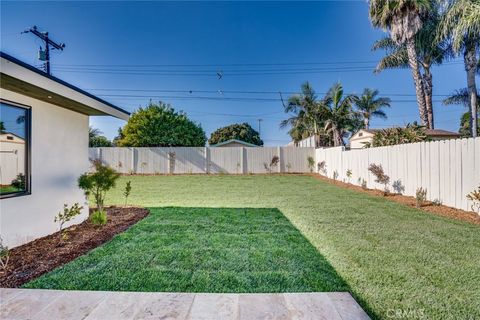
(447, 169)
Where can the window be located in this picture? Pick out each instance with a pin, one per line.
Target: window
(14, 149)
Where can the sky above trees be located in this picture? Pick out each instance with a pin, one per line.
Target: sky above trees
(129, 53)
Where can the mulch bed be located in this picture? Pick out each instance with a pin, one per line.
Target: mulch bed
(441, 210)
(42, 255)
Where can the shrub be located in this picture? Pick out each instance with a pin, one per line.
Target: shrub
(437, 202)
(474, 196)
(65, 216)
(392, 136)
(98, 182)
(380, 176)
(98, 218)
(311, 163)
(19, 182)
(171, 162)
(126, 192)
(4, 255)
(273, 163)
(420, 196)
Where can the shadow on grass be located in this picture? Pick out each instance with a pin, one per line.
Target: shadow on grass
(179, 249)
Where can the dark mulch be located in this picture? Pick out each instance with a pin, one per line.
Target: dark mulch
(42, 255)
(440, 210)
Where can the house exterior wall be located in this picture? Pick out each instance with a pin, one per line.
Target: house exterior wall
(59, 154)
(358, 142)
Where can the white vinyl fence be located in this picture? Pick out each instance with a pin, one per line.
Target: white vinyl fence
(187, 160)
(448, 169)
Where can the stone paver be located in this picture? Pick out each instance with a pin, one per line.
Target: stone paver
(92, 305)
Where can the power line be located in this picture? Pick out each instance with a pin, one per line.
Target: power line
(44, 55)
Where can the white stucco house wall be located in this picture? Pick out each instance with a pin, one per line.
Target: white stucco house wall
(56, 148)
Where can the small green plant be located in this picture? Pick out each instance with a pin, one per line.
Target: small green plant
(398, 187)
(126, 192)
(63, 217)
(311, 163)
(437, 202)
(98, 183)
(4, 255)
(98, 218)
(19, 182)
(420, 196)
(273, 163)
(380, 176)
(349, 175)
(474, 196)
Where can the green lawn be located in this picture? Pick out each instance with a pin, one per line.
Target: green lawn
(285, 233)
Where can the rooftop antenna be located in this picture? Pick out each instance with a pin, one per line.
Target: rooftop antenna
(44, 55)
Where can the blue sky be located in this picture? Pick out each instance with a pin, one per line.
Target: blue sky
(131, 52)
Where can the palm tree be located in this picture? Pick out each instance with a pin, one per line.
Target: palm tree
(305, 114)
(430, 52)
(2, 127)
(368, 105)
(461, 23)
(403, 19)
(338, 114)
(462, 97)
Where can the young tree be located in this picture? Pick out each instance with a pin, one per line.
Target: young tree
(461, 24)
(98, 182)
(368, 105)
(403, 19)
(159, 125)
(238, 131)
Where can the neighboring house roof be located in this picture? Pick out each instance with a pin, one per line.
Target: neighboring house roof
(234, 141)
(441, 133)
(25, 79)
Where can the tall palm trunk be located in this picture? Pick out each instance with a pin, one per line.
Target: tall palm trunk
(470, 59)
(366, 122)
(413, 62)
(337, 137)
(428, 91)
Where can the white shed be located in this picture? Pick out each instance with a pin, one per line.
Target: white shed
(44, 148)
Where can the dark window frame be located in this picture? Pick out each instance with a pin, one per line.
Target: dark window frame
(28, 151)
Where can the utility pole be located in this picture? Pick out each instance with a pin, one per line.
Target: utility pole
(259, 128)
(44, 55)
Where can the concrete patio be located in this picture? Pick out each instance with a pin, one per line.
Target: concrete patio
(57, 304)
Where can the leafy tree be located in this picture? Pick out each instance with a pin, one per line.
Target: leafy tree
(159, 125)
(96, 139)
(403, 19)
(338, 114)
(461, 24)
(97, 183)
(429, 50)
(239, 131)
(368, 105)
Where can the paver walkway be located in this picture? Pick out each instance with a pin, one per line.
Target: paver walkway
(58, 304)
